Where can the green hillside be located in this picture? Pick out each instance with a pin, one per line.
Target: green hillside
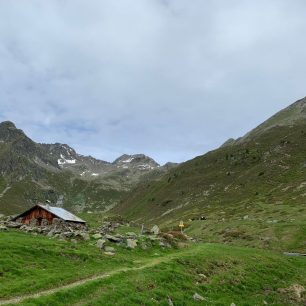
(251, 192)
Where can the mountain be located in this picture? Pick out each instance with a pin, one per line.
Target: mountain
(31, 172)
(251, 190)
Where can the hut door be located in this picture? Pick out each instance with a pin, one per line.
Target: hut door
(39, 219)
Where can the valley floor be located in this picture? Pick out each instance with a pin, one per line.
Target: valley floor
(50, 272)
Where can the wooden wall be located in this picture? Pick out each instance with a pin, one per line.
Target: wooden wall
(39, 214)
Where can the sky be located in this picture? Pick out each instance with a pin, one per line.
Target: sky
(171, 79)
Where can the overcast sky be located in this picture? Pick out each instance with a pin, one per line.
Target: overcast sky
(168, 78)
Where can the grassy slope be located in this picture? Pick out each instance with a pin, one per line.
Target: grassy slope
(263, 179)
(78, 194)
(31, 263)
(233, 274)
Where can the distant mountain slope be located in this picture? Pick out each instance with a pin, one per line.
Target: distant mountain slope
(252, 189)
(31, 172)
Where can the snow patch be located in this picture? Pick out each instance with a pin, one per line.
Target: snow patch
(128, 160)
(63, 160)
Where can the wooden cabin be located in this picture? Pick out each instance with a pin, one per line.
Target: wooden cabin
(45, 215)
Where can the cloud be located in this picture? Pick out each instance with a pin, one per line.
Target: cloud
(168, 78)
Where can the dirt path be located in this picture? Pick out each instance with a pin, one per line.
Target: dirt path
(152, 263)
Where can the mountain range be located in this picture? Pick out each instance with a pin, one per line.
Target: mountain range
(252, 189)
(32, 172)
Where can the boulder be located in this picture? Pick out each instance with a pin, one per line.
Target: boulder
(155, 230)
(3, 228)
(109, 249)
(97, 236)
(109, 253)
(13, 225)
(198, 297)
(100, 243)
(112, 238)
(131, 243)
(85, 236)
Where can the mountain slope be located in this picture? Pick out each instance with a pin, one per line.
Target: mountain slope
(251, 191)
(32, 172)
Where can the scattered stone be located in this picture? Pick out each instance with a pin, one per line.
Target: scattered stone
(100, 243)
(198, 297)
(169, 300)
(246, 217)
(97, 236)
(85, 236)
(233, 304)
(155, 230)
(109, 253)
(3, 228)
(109, 249)
(297, 290)
(13, 225)
(112, 238)
(131, 234)
(202, 275)
(131, 244)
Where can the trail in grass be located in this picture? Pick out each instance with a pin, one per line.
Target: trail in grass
(151, 263)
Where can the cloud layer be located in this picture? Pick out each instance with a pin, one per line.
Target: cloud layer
(168, 78)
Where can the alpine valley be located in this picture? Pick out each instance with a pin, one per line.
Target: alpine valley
(32, 172)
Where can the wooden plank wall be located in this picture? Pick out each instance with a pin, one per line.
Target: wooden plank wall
(38, 213)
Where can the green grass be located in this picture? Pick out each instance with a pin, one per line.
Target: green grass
(244, 276)
(233, 275)
(263, 178)
(30, 263)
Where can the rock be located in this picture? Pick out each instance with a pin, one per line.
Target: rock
(51, 233)
(74, 241)
(155, 230)
(97, 236)
(202, 275)
(298, 290)
(112, 238)
(131, 234)
(85, 236)
(131, 243)
(246, 217)
(100, 243)
(233, 304)
(109, 249)
(198, 297)
(68, 234)
(3, 228)
(169, 300)
(14, 225)
(109, 253)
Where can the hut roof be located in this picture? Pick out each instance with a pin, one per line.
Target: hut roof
(58, 212)
(62, 213)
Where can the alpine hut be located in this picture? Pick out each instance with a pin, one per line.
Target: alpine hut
(45, 215)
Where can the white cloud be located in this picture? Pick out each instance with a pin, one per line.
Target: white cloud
(171, 79)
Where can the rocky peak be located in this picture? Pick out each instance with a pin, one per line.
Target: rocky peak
(139, 161)
(9, 132)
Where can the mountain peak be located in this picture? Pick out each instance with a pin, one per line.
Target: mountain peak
(7, 125)
(137, 160)
(289, 116)
(9, 132)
